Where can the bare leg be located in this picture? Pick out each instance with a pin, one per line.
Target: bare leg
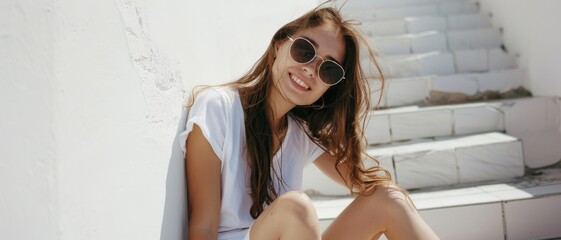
(387, 210)
(290, 216)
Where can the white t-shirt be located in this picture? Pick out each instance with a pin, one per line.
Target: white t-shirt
(219, 114)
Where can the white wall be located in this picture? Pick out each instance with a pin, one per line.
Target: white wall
(90, 96)
(29, 208)
(531, 29)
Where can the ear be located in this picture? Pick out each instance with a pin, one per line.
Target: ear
(276, 47)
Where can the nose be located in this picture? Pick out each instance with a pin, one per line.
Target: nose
(311, 67)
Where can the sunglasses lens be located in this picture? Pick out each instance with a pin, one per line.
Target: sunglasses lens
(302, 51)
(330, 72)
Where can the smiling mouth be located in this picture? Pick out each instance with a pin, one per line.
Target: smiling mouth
(299, 82)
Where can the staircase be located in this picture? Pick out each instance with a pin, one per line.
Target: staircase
(479, 155)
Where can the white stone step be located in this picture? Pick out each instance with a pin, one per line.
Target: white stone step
(450, 161)
(415, 90)
(472, 83)
(468, 21)
(352, 6)
(407, 123)
(441, 8)
(413, 65)
(480, 39)
(410, 43)
(439, 162)
(412, 25)
(528, 208)
(536, 121)
(474, 39)
(443, 63)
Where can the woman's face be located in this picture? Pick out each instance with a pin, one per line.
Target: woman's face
(298, 83)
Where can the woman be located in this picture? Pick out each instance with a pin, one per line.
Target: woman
(247, 142)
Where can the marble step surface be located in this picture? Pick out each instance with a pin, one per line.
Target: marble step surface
(488, 38)
(536, 121)
(416, 25)
(526, 208)
(416, 90)
(369, 12)
(441, 63)
(359, 4)
(436, 162)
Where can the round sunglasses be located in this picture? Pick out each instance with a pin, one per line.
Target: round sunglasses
(303, 51)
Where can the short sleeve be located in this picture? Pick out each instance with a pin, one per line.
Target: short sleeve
(314, 151)
(209, 113)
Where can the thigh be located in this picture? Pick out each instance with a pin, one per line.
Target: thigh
(264, 226)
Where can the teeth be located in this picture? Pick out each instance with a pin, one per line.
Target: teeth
(300, 82)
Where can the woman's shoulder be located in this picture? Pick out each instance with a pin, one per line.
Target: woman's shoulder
(220, 95)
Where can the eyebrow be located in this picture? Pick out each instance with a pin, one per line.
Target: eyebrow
(317, 46)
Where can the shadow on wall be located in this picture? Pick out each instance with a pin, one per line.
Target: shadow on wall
(174, 222)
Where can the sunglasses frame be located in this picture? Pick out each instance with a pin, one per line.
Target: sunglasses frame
(315, 55)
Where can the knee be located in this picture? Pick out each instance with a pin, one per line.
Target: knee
(297, 204)
(393, 197)
(390, 191)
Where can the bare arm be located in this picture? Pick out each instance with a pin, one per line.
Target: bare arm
(203, 185)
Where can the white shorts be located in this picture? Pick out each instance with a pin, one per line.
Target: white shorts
(236, 234)
(247, 233)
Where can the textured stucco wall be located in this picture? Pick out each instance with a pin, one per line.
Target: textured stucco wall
(531, 29)
(90, 97)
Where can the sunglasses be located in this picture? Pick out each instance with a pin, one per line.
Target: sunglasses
(303, 51)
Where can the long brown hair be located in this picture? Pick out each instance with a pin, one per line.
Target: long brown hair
(338, 127)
